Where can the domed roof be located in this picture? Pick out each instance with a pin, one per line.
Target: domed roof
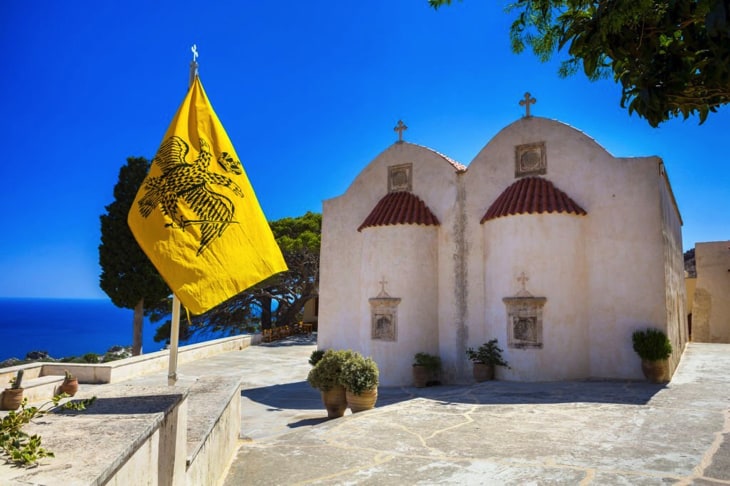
(532, 195)
(400, 207)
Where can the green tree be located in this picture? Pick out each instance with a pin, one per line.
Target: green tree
(671, 57)
(278, 300)
(127, 275)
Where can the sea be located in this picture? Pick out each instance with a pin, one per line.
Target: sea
(71, 327)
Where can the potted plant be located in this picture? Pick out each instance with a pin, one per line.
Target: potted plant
(316, 356)
(425, 369)
(653, 347)
(485, 359)
(360, 378)
(325, 376)
(70, 384)
(13, 396)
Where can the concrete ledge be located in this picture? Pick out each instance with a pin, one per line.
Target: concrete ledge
(128, 436)
(214, 423)
(140, 435)
(124, 369)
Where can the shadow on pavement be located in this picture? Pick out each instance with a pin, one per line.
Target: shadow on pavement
(300, 395)
(307, 422)
(293, 396)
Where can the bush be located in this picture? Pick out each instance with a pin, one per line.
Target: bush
(488, 353)
(327, 372)
(359, 374)
(651, 344)
(430, 362)
(316, 356)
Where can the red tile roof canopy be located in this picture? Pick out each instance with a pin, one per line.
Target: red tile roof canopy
(400, 208)
(532, 195)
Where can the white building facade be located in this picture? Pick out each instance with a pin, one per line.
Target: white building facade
(546, 242)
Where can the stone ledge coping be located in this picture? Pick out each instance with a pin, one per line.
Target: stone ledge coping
(124, 369)
(92, 445)
(208, 398)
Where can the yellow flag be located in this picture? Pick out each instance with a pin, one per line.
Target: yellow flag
(196, 215)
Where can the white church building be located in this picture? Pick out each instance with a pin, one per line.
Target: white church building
(545, 242)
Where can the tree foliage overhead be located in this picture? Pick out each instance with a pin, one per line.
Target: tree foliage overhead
(279, 300)
(671, 57)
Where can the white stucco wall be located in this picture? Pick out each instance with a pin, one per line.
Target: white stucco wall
(711, 308)
(407, 256)
(620, 240)
(520, 244)
(604, 274)
(411, 274)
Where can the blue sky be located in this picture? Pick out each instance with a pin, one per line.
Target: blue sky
(309, 93)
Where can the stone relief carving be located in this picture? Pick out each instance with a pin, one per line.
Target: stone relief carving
(384, 315)
(399, 178)
(524, 317)
(530, 159)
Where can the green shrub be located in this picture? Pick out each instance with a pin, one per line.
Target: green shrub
(359, 374)
(651, 344)
(488, 353)
(430, 362)
(316, 356)
(325, 375)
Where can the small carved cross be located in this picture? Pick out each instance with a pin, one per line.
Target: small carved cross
(382, 285)
(526, 103)
(523, 279)
(195, 52)
(400, 127)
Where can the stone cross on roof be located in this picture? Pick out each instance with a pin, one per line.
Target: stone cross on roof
(526, 103)
(400, 127)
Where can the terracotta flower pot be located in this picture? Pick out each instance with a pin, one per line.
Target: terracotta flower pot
(69, 386)
(12, 398)
(655, 371)
(420, 376)
(335, 401)
(365, 401)
(483, 372)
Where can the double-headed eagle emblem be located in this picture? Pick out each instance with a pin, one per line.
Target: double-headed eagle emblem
(192, 184)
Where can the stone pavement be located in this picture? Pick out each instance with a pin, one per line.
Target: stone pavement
(589, 432)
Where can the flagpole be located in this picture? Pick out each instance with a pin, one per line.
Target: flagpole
(175, 324)
(174, 338)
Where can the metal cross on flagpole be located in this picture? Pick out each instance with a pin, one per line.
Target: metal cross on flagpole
(193, 65)
(175, 324)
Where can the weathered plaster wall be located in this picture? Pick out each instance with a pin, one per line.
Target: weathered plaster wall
(622, 229)
(411, 275)
(573, 261)
(674, 285)
(519, 244)
(407, 256)
(711, 307)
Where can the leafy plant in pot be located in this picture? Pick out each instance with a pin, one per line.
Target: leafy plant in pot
(485, 358)
(654, 348)
(325, 376)
(316, 356)
(70, 384)
(13, 396)
(360, 376)
(425, 369)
